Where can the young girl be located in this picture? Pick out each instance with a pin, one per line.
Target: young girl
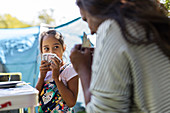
(58, 82)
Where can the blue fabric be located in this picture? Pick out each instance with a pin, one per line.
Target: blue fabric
(19, 51)
(19, 47)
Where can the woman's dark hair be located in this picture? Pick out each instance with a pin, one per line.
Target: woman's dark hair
(57, 35)
(146, 13)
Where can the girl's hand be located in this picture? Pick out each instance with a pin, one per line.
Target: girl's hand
(44, 67)
(81, 58)
(55, 67)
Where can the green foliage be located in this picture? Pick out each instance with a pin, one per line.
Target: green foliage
(8, 21)
(45, 16)
(167, 4)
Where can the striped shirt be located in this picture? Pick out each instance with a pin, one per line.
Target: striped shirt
(128, 78)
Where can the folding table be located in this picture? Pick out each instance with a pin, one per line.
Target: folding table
(23, 96)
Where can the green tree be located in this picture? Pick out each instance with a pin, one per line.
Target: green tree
(8, 21)
(45, 16)
(167, 4)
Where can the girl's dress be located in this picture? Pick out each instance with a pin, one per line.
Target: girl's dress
(50, 100)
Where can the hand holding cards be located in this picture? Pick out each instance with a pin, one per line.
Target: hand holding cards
(47, 57)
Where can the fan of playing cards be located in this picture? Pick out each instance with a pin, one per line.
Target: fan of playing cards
(86, 41)
(47, 57)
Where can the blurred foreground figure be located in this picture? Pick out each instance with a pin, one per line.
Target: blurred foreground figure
(130, 68)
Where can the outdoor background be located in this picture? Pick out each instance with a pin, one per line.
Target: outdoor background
(21, 21)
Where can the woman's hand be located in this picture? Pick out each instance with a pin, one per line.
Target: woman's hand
(55, 67)
(81, 58)
(44, 67)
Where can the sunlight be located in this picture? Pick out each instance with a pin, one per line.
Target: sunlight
(27, 10)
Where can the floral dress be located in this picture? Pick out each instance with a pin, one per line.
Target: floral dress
(50, 100)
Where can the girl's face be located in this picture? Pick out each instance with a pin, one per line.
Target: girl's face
(51, 45)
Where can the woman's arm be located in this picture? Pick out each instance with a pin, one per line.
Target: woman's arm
(85, 77)
(82, 61)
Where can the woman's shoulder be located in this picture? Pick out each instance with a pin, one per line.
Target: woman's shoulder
(110, 31)
(105, 25)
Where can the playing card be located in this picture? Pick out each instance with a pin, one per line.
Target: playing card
(86, 42)
(47, 57)
(44, 57)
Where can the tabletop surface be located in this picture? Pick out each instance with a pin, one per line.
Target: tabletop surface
(20, 96)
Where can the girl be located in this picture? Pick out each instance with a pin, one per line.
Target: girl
(58, 82)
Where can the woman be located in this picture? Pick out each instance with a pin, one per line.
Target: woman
(131, 68)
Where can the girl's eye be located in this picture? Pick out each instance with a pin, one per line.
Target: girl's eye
(56, 47)
(46, 49)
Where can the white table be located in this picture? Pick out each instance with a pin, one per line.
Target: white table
(24, 96)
